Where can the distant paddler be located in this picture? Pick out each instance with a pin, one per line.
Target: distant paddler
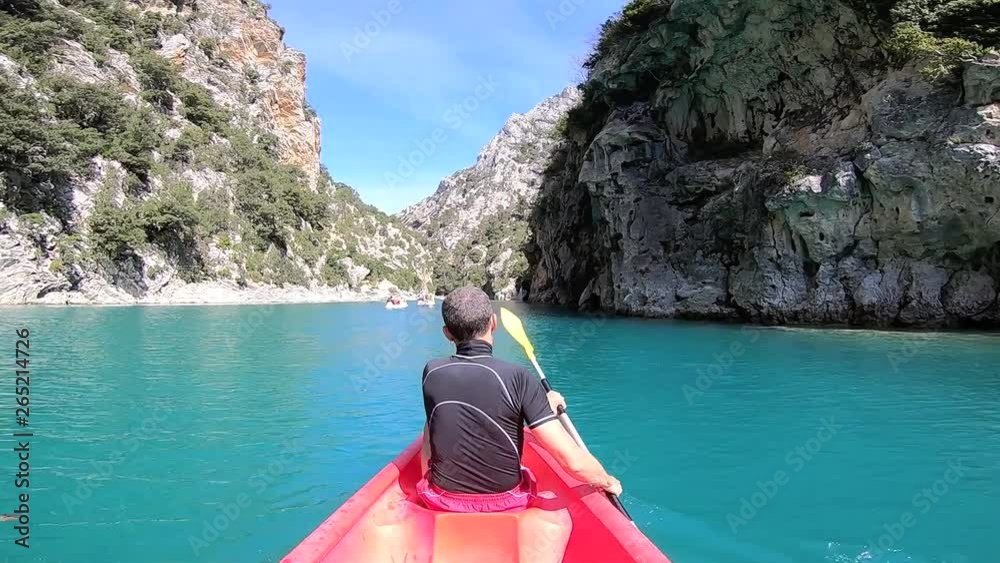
(395, 302)
(425, 299)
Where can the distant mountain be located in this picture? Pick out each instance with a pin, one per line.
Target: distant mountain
(480, 215)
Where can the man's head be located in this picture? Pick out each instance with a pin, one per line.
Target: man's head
(468, 315)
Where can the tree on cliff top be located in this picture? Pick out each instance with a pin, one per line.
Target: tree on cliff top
(977, 21)
(973, 20)
(634, 18)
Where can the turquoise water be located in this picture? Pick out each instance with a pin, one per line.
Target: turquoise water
(227, 434)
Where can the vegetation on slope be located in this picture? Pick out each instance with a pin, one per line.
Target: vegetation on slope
(265, 215)
(936, 35)
(484, 249)
(633, 19)
(938, 57)
(977, 21)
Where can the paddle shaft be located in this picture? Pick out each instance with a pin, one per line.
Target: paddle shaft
(568, 425)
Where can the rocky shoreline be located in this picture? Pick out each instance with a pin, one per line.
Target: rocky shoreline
(215, 293)
(29, 277)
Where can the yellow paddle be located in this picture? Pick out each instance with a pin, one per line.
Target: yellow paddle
(515, 328)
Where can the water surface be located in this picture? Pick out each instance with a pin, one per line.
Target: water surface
(225, 434)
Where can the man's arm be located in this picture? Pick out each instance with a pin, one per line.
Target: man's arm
(539, 411)
(575, 460)
(425, 451)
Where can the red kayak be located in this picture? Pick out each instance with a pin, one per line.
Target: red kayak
(383, 523)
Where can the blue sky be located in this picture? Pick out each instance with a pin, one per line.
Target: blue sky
(410, 90)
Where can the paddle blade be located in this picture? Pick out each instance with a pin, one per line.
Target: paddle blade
(516, 329)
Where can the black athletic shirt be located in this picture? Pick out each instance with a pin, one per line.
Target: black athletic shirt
(477, 407)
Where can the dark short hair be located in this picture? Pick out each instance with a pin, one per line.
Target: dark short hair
(467, 312)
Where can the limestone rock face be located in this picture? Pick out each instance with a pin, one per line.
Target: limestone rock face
(251, 70)
(26, 272)
(480, 214)
(982, 81)
(75, 61)
(806, 184)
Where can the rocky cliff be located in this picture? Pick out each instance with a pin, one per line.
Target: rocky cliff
(802, 161)
(164, 151)
(480, 215)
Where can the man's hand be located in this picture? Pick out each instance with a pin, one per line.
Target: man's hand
(613, 486)
(555, 401)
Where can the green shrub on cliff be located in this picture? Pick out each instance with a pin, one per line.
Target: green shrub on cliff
(171, 218)
(157, 77)
(405, 278)
(938, 58)
(200, 108)
(562, 128)
(172, 214)
(38, 152)
(209, 46)
(186, 147)
(401, 277)
(274, 197)
(132, 143)
(261, 199)
(445, 276)
(973, 20)
(125, 28)
(116, 231)
(274, 267)
(213, 206)
(28, 42)
(276, 200)
(125, 133)
(334, 273)
(162, 84)
(634, 18)
(308, 247)
(30, 29)
(89, 105)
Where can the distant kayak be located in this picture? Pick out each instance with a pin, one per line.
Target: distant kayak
(398, 305)
(426, 303)
(383, 522)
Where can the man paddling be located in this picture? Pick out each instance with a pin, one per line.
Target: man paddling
(477, 407)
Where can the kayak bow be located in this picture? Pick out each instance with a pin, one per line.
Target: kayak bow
(384, 523)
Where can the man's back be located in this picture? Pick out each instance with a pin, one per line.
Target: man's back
(476, 409)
